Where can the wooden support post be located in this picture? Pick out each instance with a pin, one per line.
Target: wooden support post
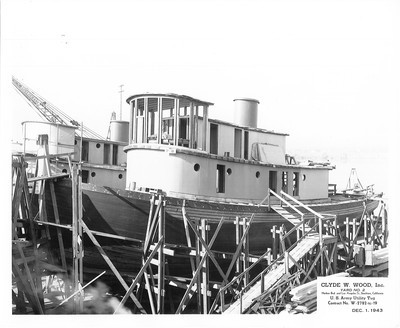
(161, 259)
(282, 247)
(187, 296)
(238, 234)
(286, 262)
(76, 242)
(188, 241)
(57, 220)
(205, 269)
(274, 255)
(354, 230)
(246, 249)
(198, 259)
(384, 225)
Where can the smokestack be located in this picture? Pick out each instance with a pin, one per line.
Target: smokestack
(246, 112)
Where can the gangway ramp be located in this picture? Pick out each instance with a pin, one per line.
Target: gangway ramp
(273, 276)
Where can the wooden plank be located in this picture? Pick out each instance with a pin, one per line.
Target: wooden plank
(271, 277)
(54, 176)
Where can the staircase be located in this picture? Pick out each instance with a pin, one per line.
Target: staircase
(291, 217)
(312, 236)
(246, 302)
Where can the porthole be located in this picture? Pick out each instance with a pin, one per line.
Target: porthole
(229, 171)
(93, 174)
(120, 176)
(257, 174)
(304, 177)
(97, 145)
(64, 171)
(76, 142)
(196, 167)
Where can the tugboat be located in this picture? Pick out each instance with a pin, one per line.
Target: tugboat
(209, 169)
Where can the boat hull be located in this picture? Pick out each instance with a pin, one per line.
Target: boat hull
(125, 213)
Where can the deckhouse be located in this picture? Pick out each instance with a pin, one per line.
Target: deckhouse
(103, 161)
(174, 146)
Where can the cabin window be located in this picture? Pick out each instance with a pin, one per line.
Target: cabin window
(214, 139)
(140, 120)
(120, 176)
(229, 171)
(115, 155)
(257, 174)
(238, 143)
(285, 181)
(196, 167)
(220, 178)
(106, 154)
(93, 174)
(85, 151)
(246, 145)
(272, 180)
(85, 176)
(97, 145)
(184, 132)
(295, 184)
(152, 120)
(304, 177)
(167, 117)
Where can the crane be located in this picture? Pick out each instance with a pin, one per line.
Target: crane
(51, 113)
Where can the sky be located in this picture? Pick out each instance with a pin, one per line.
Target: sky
(323, 71)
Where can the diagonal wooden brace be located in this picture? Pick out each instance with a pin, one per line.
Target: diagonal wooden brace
(111, 265)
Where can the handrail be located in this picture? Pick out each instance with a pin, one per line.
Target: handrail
(301, 204)
(286, 202)
(263, 272)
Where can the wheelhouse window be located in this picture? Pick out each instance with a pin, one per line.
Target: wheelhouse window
(167, 121)
(139, 120)
(220, 178)
(152, 120)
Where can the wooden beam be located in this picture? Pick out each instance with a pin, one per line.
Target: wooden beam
(138, 276)
(112, 267)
